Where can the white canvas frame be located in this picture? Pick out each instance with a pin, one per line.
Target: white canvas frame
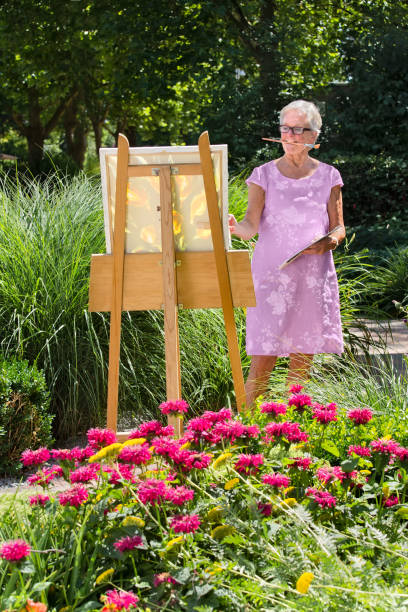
(165, 155)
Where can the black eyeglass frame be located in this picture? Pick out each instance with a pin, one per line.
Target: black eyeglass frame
(289, 129)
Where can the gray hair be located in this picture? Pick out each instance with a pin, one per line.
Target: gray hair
(306, 108)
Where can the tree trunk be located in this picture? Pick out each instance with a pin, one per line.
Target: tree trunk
(34, 132)
(75, 133)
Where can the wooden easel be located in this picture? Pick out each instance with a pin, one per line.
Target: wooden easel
(209, 279)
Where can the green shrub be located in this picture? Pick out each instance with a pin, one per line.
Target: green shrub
(25, 421)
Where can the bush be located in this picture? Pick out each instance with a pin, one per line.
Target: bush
(24, 418)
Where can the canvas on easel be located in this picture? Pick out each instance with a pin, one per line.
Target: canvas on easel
(166, 227)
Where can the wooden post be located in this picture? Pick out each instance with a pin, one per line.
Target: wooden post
(171, 332)
(222, 268)
(117, 281)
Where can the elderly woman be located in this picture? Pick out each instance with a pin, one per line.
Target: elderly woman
(292, 201)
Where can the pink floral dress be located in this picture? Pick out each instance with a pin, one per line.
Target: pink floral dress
(297, 309)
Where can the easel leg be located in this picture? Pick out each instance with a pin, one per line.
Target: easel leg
(171, 331)
(222, 269)
(117, 281)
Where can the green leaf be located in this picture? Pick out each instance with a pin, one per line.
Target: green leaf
(331, 448)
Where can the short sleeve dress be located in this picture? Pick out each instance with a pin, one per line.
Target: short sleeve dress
(297, 309)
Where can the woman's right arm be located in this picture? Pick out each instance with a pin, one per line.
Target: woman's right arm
(248, 227)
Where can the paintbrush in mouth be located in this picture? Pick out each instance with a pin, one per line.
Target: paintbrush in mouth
(303, 144)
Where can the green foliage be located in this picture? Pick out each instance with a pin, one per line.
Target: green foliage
(25, 421)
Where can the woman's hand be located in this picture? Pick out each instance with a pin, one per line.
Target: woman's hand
(328, 244)
(243, 230)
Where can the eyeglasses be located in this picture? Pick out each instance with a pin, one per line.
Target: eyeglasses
(285, 129)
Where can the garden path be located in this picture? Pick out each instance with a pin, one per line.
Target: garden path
(392, 339)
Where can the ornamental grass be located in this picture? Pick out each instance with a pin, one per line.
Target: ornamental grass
(273, 509)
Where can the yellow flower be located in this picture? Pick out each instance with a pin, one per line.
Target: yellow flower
(215, 514)
(303, 583)
(105, 576)
(172, 545)
(386, 491)
(133, 520)
(216, 568)
(289, 490)
(231, 484)
(221, 460)
(134, 442)
(365, 472)
(289, 502)
(222, 531)
(186, 445)
(106, 453)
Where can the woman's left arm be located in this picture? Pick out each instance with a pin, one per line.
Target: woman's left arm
(335, 212)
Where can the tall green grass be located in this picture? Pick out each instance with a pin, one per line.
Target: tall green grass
(48, 231)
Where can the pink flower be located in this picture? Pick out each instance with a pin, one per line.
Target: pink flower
(287, 429)
(392, 500)
(14, 550)
(35, 457)
(300, 402)
(295, 388)
(72, 454)
(152, 491)
(249, 464)
(174, 407)
(273, 409)
(322, 498)
(265, 509)
(323, 416)
(361, 451)
(302, 463)
(75, 496)
(332, 406)
(163, 577)
(360, 416)
(137, 455)
(402, 454)
(122, 600)
(230, 430)
(216, 417)
(185, 523)
(276, 480)
(43, 477)
(85, 473)
(124, 472)
(98, 438)
(128, 543)
(385, 447)
(179, 495)
(150, 429)
(328, 474)
(39, 500)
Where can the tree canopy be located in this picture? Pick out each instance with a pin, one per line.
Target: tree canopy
(162, 72)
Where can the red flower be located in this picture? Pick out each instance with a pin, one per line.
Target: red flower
(137, 455)
(361, 451)
(295, 388)
(265, 509)
(248, 464)
(128, 543)
(273, 408)
(276, 480)
(392, 500)
(300, 402)
(39, 500)
(322, 415)
(99, 438)
(152, 491)
(185, 523)
(322, 498)
(163, 577)
(174, 407)
(302, 463)
(15, 550)
(35, 457)
(360, 416)
(179, 495)
(75, 496)
(119, 600)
